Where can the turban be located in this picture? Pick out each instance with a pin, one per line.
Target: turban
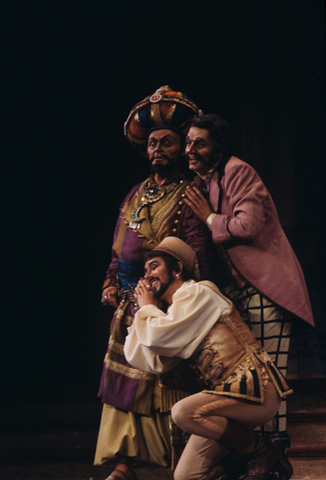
(163, 109)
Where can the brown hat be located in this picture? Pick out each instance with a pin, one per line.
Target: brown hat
(182, 252)
(164, 109)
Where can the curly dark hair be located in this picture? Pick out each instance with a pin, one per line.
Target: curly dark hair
(220, 133)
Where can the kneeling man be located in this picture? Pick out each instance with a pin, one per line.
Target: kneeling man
(241, 386)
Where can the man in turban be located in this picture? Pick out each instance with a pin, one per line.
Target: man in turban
(135, 420)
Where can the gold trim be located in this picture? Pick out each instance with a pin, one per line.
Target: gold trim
(255, 352)
(127, 371)
(106, 283)
(115, 346)
(158, 219)
(282, 394)
(183, 101)
(171, 113)
(163, 218)
(236, 395)
(156, 118)
(166, 98)
(170, 396)
(129, 320)
(120, 311)
(230, 370)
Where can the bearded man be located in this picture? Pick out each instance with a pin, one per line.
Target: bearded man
(135, 421)
(267, 283)
(241, 388)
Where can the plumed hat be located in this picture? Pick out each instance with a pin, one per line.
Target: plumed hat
(163, 109)
(181, 251)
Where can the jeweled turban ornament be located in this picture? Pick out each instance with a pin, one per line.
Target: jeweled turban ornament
(164, 109)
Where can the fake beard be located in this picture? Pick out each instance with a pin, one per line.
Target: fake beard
(163, 287)
(163, 169)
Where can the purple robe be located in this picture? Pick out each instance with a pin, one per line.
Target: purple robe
(123, 386)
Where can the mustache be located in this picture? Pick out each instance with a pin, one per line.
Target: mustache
(199, 158)
(162, 155)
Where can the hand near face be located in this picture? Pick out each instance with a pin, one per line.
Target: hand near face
(143, 295)
(198, 203)
(109, 296)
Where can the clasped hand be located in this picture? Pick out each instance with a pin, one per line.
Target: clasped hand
(144, 295)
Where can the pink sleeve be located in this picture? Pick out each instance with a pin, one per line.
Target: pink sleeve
(245, 194)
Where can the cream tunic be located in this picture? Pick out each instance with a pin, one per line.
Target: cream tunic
(157, 341)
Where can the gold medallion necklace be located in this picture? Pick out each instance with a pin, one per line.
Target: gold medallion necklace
(152, 193)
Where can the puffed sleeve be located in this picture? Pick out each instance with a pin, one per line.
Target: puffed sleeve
(157, 341)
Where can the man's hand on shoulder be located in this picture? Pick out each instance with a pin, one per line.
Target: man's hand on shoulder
(198, 203)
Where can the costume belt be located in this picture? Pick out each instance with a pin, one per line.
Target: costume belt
(130, 272)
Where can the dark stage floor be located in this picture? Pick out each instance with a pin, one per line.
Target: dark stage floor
(72, 471)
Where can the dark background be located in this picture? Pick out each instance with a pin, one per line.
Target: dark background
(71, 72)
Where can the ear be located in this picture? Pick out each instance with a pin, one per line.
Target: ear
(180, 268)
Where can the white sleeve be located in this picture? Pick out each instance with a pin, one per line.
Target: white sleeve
(157, 341)
(209, 220)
